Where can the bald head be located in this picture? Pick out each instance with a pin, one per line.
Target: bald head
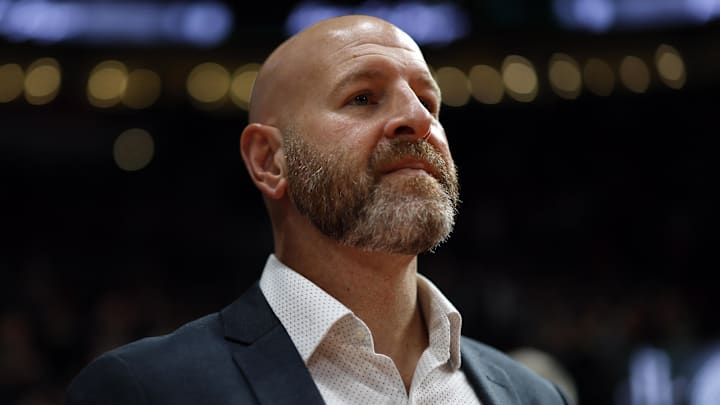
(300, 62)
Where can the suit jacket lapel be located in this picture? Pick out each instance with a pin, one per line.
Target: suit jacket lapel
(491, 383)
(265, 353)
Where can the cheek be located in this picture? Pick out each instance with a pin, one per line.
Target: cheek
(340, 145)
(330, 129)
(350, 138)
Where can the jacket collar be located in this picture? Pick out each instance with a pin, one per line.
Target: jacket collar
(265, 354)
(491, 383)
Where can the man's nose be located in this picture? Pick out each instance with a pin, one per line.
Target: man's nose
(409, 118)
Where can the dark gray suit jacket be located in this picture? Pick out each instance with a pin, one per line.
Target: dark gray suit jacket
(243, 355)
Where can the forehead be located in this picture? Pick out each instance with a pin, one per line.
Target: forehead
(363, 53)
(365, 32)
(343, 46)
(379, 54)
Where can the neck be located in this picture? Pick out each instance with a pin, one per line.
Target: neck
(380, 289)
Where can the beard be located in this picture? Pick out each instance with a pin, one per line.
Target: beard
(362, 209)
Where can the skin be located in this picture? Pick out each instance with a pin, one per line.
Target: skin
(351, 83)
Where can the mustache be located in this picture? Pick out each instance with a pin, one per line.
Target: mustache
(386, 154)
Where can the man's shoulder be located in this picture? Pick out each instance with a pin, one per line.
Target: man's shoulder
(202, 335)
(174, 367)
(196, 341)
(484, 361)
(488, 354)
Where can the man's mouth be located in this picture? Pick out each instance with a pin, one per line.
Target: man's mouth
(410, 166)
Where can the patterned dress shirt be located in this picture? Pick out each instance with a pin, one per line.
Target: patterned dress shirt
(337, 346)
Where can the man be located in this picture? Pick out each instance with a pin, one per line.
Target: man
(345, 145)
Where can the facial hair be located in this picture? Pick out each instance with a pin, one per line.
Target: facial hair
(358, 206)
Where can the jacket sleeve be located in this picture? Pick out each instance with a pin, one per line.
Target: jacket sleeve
(106, 380)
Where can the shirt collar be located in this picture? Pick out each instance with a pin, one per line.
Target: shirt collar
(305, 310)
(308, 312)
(443, 321)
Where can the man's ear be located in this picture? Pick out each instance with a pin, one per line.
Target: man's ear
(262, 151)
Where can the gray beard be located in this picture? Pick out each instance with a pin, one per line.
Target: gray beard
(402, 215)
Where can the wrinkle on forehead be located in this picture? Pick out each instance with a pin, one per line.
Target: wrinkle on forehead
(373, 32)
(297, 62)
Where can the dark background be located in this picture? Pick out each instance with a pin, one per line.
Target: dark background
(585, 229)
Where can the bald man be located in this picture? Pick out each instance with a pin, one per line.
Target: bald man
(345, 145)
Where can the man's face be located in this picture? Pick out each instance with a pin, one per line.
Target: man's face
(368, 161)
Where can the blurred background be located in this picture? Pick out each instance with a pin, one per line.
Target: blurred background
(584, 132)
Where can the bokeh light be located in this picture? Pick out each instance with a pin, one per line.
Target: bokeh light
(670, 66)
(107, 84)
(486, 83)
(133, 149)
(208, 84)
(11, 82)
(564, 75)
(454, 86)
(520, 78)
(242, 83)
(634, 74)
(42, 81)
(143, 89)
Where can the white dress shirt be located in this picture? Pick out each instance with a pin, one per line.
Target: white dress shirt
(338, 350)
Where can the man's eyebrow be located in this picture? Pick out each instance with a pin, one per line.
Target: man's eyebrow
(357, 76)
(429, 82)
(425, 80)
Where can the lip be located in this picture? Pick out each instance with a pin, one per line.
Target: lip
(410, 165)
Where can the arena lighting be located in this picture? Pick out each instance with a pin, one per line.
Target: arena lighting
(520, 79)
(634, 74)
(12, 78)
(486, 84)
(654, 378)
(704, 388)
(565, 77)
(454, 86)
(603, 15)
(242, 83)
(670, 66)
(133, 149)
(42, 81)
(438, 23)
(201, 24)
(208, 84)
(107, 83)
(650, 378)
(143, 88)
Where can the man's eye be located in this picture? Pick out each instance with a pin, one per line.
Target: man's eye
(361, 99)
